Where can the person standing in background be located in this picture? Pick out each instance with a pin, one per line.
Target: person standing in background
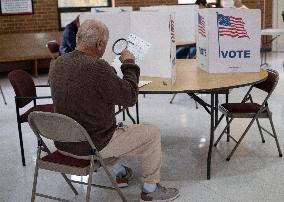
(239, 4)
(201, 3)
(68, 42)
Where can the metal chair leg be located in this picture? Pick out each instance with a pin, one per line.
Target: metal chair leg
(21, 144)
(241, 138)
(35, 177)
(223, 132)
(227, 119)
(260, 131)
(113, 182)
(171, 102)
(137, 113)
(90, 180)
(69, 183)
(275, 136)
(129, 115)
(3, 96)
(123, 115)
(196, 105)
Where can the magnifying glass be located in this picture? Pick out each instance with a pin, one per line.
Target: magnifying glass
(119, 45)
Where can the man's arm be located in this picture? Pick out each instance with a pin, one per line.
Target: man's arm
(117, 91)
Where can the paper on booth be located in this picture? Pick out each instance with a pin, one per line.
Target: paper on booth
(143, 83)
(138, 47)
(228, 40)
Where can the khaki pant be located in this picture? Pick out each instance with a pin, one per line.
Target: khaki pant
(143, 141)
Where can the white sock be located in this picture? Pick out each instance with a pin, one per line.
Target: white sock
(118, 169)
(149, 187)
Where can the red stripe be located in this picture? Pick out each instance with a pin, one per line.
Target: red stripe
(233, 31)
(235, 35)
(228, 31)
(201, 28)
(200, 31)
(236, 18)
(231, 28)
(237, 22)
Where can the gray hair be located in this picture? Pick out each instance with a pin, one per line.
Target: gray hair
(90, 31)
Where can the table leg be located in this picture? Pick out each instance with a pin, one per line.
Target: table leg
(123, 115)
(265, 52)
(212, 115)
(216, 109)
(227, 119)
(137, 113)
(35, 69)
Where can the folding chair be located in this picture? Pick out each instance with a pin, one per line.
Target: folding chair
(58, 127)
(53, 49)
(25, 91)
(252, 110)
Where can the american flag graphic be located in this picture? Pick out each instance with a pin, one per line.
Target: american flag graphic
(201, 25)
(231, 26)
(172, 30)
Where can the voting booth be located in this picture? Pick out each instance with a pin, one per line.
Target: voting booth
(228, 40)
(184, 20)
(154, 27)
(112, 9)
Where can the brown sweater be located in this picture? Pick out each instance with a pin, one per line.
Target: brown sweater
(87, 89)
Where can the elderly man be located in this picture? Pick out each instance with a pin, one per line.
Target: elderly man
(86, 88)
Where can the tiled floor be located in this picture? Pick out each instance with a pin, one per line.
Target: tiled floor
(255, 173)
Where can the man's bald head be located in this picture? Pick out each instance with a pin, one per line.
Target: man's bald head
(91, 34)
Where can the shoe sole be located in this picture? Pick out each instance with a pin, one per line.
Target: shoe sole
(122, 185)
(166, 200)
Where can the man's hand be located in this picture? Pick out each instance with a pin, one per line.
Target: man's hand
(126, 55)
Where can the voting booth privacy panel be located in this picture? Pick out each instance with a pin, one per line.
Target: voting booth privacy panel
(228, 40)
(184, 20)
(154, 27)
(112, 9)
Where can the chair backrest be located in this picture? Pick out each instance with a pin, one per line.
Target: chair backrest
(58, 127)
(23, 86)
(53, 47)
(270, 83)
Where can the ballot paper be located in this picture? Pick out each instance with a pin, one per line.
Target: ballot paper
(143, 83)
(138, 47)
